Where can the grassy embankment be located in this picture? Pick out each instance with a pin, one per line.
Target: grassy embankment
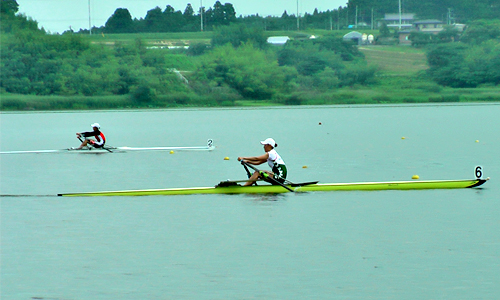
(401, 79)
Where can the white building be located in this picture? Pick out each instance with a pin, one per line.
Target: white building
(278, 40)
(392, 20)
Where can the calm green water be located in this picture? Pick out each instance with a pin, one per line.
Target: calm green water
(435, 244)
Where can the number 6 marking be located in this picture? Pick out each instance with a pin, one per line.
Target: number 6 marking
(479, 172)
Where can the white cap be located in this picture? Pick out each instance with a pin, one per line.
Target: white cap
(96, 125)
(269, 141)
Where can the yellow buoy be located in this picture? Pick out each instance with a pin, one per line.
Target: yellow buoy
(171, 151)
(403, 138)
(226, 158)
(477, 141)
(415, 177)
(304, 167)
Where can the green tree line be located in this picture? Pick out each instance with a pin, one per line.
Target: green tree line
(366, 11)
(459, 11)
(169, 19)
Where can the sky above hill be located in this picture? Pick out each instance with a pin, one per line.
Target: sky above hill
(60, 15)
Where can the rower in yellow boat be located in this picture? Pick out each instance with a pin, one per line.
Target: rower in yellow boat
(273, 159)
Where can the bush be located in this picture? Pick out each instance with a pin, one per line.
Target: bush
(381, 99)
(142, 95)
(451, 98)
(172, 100)
(445, 98)
(293, 100)
(410, 100)
(357, 74)
(229, 67)
(238, 35)
(197, 49)
(429, 87)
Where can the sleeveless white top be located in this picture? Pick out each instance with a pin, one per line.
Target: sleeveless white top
(274, 159)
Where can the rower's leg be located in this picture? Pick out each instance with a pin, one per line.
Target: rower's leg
(266, 174)
(84, 143)
(252, 179)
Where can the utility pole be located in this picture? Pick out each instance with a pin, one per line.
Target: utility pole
(338, 19)
(298, 22)
(356, 20)
(399, 14)
(90, 23)
(201, 15)
(372, 19)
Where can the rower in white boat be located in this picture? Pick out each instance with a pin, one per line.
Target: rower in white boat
(99, 140)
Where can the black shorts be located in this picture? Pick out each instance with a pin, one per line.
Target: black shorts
(280, 173)
(93, 143)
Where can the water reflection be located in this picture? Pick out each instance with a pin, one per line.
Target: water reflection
(266, 197)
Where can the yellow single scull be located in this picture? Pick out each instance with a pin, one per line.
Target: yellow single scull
(275, 189)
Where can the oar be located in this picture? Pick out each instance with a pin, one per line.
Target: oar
(242, 180)
(107, 149)
(228, 183)
(246, 169)
(301, 183)
(266, 176)
(287, 182)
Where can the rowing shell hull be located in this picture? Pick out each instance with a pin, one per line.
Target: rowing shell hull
(275, 189)
(108, 149)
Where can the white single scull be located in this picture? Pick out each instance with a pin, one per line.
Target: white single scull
(108, 149)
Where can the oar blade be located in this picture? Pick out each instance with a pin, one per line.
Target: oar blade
(303, 183)
(276, 182)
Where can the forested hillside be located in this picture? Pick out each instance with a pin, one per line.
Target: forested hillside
(36, 63)
(238, 66)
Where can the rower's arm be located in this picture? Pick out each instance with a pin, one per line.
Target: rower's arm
(255, 160)
(87, 134)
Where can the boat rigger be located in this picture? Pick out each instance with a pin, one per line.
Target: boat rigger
(224, 188)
